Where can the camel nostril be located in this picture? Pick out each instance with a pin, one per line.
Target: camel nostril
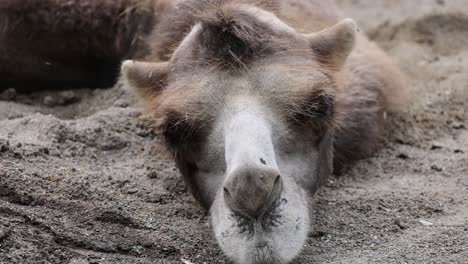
(278, 178)
(277, 184)
(277, 189)
(228, 199)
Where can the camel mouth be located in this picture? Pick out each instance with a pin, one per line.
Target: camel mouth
(266, 221)
(275, 236)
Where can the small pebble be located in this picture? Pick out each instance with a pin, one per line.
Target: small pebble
(132, 191)
(400, 224)
(186, 261)
(402, 156)
(4, 146)
(458, 125)
(153, 175)
(435, 147)
(425, 223)
(436, 168)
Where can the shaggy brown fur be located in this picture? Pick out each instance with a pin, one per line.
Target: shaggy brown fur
(57, 43)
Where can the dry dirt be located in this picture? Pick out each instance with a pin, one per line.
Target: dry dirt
(82, 180)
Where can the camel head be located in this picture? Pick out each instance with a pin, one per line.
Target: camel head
(247, 105)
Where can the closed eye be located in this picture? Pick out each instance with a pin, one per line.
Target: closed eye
(319, 109)
(176, 131)
(179, 132)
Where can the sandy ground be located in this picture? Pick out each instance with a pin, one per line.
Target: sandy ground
(82, 180)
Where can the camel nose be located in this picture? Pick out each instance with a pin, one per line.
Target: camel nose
(252, 190)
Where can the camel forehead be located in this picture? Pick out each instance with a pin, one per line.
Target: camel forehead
(205, 93)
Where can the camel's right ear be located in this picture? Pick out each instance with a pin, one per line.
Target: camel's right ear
(333, 45)
(146, 78)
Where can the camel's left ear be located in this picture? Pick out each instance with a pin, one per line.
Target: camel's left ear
(333, 45)
(146, 78)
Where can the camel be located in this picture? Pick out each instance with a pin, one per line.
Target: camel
(259, 102)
